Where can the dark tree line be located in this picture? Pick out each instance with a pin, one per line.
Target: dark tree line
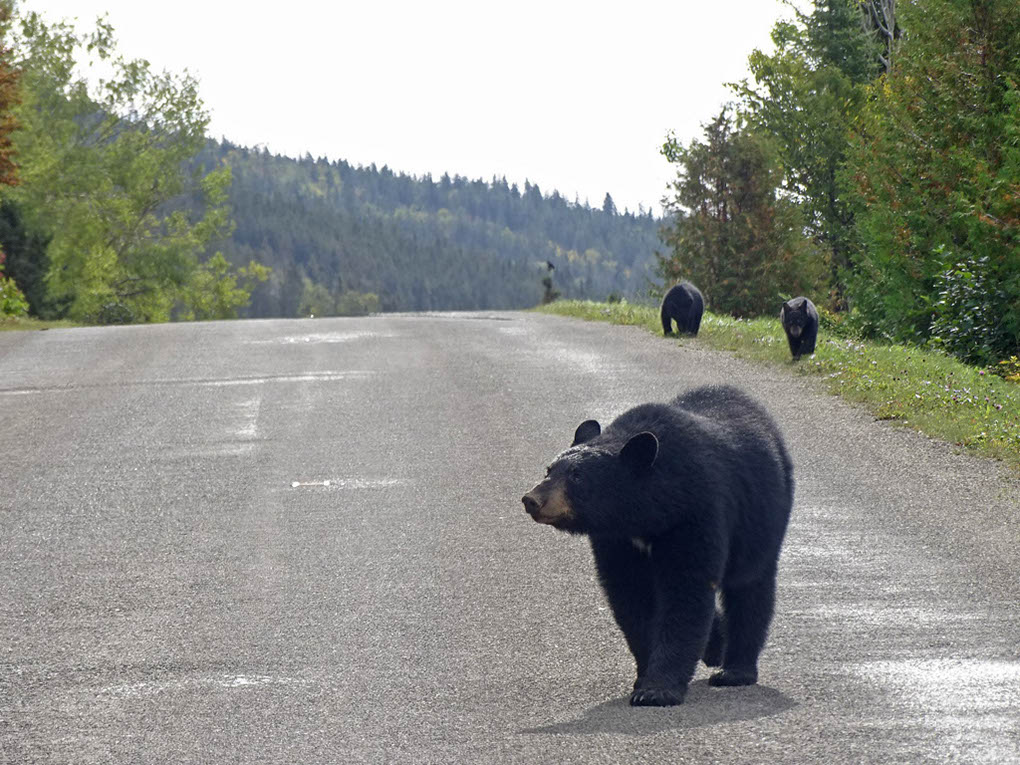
(419, 243)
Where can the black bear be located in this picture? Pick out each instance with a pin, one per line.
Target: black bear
(684, 304)
(681, 502)
(800, 321)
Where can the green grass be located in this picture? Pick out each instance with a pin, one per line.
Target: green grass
(922, 389)
(10, 324)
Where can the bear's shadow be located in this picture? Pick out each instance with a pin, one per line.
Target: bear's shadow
(704, 706)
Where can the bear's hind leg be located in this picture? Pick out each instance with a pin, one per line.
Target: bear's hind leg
(713, 653)
(667, 323)
(748, 613)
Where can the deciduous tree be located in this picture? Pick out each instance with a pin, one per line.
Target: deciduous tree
(732, 233)
(103, 173)
(936, 174)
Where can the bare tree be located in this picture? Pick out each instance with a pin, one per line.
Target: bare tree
(879, 19)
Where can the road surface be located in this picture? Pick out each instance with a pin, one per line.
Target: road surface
(303, 542)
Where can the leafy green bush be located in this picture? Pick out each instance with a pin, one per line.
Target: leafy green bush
(835, 323)
(1008, 369)
(353, 303)
(113, 312)
(12, 299)
(968, 313)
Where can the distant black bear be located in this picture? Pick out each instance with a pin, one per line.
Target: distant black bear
(681, 501)
(800, 320)
(684, 305)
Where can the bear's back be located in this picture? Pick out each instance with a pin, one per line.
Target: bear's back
(746, 427)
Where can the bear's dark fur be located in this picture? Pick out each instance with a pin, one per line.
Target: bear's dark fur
(681, 502)
(684, 305)
(800, 321)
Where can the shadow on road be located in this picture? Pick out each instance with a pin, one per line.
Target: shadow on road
(704, 706)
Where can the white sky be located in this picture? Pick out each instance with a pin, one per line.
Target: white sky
(573, 96)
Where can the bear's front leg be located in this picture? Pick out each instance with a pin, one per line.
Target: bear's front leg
(625, 574)
(681, 622)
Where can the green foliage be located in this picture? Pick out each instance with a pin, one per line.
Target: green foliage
(352, 303)
(966, 319)
(935, 169)
(834, 323)
(217, 291)
(316, 300)
(19, 323)
(104, 179)
(805, 96)
(1008, 369)
(27, 261)
(732, 233)
(420, 243)
(12, 300)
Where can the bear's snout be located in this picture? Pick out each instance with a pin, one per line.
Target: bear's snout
(531, 505)
(548, 505)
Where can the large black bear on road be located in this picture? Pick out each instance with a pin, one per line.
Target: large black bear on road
(680, 501)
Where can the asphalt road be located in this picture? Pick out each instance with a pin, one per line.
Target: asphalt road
(179, 584)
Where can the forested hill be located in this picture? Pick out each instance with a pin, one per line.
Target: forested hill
(328, 229)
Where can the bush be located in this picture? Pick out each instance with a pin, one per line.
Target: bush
(113, 312)
(968, 311)
(12, 301)
(357, 303)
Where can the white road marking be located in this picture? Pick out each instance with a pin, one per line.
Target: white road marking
(198, 383)
(321, 337)
(134, 690)
(250, 412)
(350, 483)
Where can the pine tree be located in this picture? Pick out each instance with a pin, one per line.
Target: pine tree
(731, 232)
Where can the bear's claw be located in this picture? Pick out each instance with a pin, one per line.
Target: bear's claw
(656, 697)
(731, 677)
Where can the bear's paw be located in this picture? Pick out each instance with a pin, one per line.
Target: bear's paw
(733, 677)
(657, 697)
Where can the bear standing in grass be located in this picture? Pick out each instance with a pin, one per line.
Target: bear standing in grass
(799, 318)
(681, 501)
(684, 305)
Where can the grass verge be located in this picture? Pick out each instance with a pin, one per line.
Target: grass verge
(922, 389)
(11, 323)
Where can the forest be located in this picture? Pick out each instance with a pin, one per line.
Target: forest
(870, 160)
(332, 232)
(115, 206)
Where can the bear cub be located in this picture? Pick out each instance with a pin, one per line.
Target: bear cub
(799, 318)
(684, 305)
(682, 502)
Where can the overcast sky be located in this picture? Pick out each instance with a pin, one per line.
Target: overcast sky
(573, 96)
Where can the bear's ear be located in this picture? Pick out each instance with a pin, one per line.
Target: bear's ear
(640, 451)
(586, 431)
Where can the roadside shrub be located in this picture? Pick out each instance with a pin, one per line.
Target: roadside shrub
(353, 303)
(12, 299)
(113, 313)
(967, 314)
(1008, 369)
